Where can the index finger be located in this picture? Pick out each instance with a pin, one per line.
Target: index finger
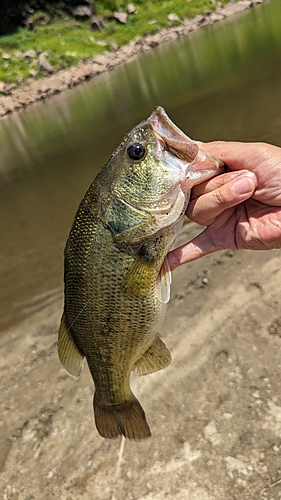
(234, 154)
(215, 183)
(239, 155)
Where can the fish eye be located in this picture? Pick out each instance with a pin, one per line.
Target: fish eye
(136, 151)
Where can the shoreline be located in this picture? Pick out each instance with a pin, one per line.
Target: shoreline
(38, 90)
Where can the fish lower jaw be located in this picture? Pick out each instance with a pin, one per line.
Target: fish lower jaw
(188, 183)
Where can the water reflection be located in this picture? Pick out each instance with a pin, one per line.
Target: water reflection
(222, 82)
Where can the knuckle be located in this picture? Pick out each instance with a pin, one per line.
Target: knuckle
(219, 198)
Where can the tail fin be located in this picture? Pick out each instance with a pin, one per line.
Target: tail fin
(127, 419)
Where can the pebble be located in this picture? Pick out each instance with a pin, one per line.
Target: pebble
(173, 17)
(45, 65)
(256, 394)
(131, 9)
(29, 53)
(121, 17)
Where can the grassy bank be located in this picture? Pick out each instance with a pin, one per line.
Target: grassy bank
(65, 41)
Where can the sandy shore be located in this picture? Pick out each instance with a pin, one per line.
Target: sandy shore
(214, 413)
(37, 90)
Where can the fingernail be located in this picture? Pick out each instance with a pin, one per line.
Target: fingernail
(243, 186)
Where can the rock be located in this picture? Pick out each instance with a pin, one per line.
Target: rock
(5, 88)
(33, 73)
(233, 8)
(198, 19)
(138, 40)
(275, 327)
(29, 23)
(192, 26)
(88, 71)
(29, 53)
(62, 15)
(153, 40)
(76, 77)
(114, 46)
(43, 20)
(37, 19)
(70, 53)
(97, 23)
(214, 17)
(98, 68)
(82, 12)
(2, 87)
(131, 9)
(6, 56)
(121, 17)
(173, 17)
(44, 64)
(100, 59)
(8, 105)
(51, 86)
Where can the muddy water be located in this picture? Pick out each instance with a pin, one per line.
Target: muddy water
(221, 82)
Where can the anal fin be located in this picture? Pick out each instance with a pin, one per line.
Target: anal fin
(70, 356)
(155, 358)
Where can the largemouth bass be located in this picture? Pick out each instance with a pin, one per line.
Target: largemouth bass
(117, 281)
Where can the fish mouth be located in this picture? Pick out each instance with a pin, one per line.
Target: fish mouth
(175, 140)
(196, 164)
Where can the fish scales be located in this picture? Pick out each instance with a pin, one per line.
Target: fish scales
(116, 277)
(127, 318)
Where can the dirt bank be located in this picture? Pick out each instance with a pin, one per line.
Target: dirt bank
(36, 90)
(215, 413)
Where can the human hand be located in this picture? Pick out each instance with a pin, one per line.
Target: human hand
(241, 208)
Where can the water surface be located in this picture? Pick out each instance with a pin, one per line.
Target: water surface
(222, 82)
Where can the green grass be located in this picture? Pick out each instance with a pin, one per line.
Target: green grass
(65, 43)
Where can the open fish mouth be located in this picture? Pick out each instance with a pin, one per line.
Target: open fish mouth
(197, 164)
(176, 141)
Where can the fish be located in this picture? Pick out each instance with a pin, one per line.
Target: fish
(116, 275)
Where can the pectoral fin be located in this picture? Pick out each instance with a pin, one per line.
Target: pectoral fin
(139, 278)
(70, 356)
(163, 284)
(155, 358)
